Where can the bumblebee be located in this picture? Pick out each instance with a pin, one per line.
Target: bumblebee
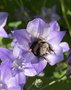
(41, 48)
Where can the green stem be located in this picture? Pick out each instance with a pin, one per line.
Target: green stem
(29, 88)
(21, 3)
(17, 3)
(64, 15)
(44, 3)
(54, 81)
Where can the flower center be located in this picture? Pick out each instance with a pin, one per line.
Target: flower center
(17, 66)
(3, 86)
(40, 48)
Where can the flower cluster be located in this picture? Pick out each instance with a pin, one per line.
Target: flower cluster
(32, 49)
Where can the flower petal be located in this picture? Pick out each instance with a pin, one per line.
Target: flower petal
(54, 59)
(40, 66)
(5, 54)
(5, 72)
(55, 37)
(28, 56)
(21, 78)
(34, 69)
(16, 51)
(65, 46)
(3, 18)
(3, 33)
(12, 82)
(22, 37)
(29, 70)
(49, 28)
(54, 26)
(57, 49)
(15, 88)
(56, 56)
(35, 27)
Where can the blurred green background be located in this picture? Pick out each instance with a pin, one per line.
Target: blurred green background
(22, 11)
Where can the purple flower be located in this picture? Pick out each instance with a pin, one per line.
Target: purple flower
(3, 19)
(7, 81)
(14, 64)
(40, 43)
(69, 57)
(18, 68)
(69, 63)
(49, 14)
